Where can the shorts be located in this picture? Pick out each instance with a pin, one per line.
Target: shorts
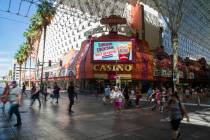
(118, 104)
(175, 124)
(71, 101)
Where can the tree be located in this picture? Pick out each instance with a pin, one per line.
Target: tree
(20, 58)
(31, 35)
(172, 12)
(25, 50)
(46, 11)
(10, 73)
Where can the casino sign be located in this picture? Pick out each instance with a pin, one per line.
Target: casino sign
(113, 68)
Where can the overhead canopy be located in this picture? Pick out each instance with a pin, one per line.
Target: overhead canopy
(196, 18)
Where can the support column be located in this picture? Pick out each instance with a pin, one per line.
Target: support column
(175, 60)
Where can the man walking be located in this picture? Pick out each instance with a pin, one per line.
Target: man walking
(35, 95)
(24, 89)
(71, 94)
(15, 99)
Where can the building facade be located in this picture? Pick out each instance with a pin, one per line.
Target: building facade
(67, 32)
(15, 71)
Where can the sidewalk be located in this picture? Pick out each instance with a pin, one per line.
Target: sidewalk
(94, 121)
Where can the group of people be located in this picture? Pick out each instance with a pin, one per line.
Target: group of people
(122, 97)
(43, 89)
(169, 100)
(13, 95)
(163, 98)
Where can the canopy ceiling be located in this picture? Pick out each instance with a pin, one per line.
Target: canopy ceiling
(195, 24)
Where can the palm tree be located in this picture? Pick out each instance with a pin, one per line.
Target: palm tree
(31, 35)
(46, 11)
(25, 51)
(19, 56)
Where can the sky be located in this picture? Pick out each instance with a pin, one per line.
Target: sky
(12, 27)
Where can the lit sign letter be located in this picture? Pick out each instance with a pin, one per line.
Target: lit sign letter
(109, 67)
(119, 67)
(103, 68)
(95, 68)
(128, 67)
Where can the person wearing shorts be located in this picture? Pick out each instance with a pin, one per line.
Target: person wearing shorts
(177, 112)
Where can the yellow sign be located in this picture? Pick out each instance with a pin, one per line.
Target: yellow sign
(119, 67)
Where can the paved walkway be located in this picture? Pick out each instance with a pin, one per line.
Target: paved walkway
(94, 121)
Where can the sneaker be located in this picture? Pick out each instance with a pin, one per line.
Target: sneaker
(18, 124)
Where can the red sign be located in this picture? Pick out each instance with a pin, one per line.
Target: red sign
(113, 20)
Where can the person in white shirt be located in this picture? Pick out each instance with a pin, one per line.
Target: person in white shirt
(15, 98)
(118, 99)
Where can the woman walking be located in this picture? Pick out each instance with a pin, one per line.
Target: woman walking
(118, 99)
(177, 112)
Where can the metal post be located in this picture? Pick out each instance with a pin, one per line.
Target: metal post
(30, 71)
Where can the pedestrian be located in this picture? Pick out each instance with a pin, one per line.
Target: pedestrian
(15, 99)
(24, 89)
(132, 97)
(5, 95)
(35, 95)
(45, 93)
(41, 89)
(56, 92)
(138, 96)
(164, 98)
(157, 99)
(71, 94)
(177, 112)
(107, 92)
(118, 99)
(126, 95)
(149, 93)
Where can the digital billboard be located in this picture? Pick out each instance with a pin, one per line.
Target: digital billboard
(112, 51)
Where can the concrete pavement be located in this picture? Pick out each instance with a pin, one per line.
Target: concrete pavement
(92, 120)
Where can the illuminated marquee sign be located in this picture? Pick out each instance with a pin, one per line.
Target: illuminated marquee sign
(113, 51)
(116, 68)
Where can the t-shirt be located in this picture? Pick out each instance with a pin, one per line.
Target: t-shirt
(117, 95)
(175, 111)
(107, 91)
(14, 93)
